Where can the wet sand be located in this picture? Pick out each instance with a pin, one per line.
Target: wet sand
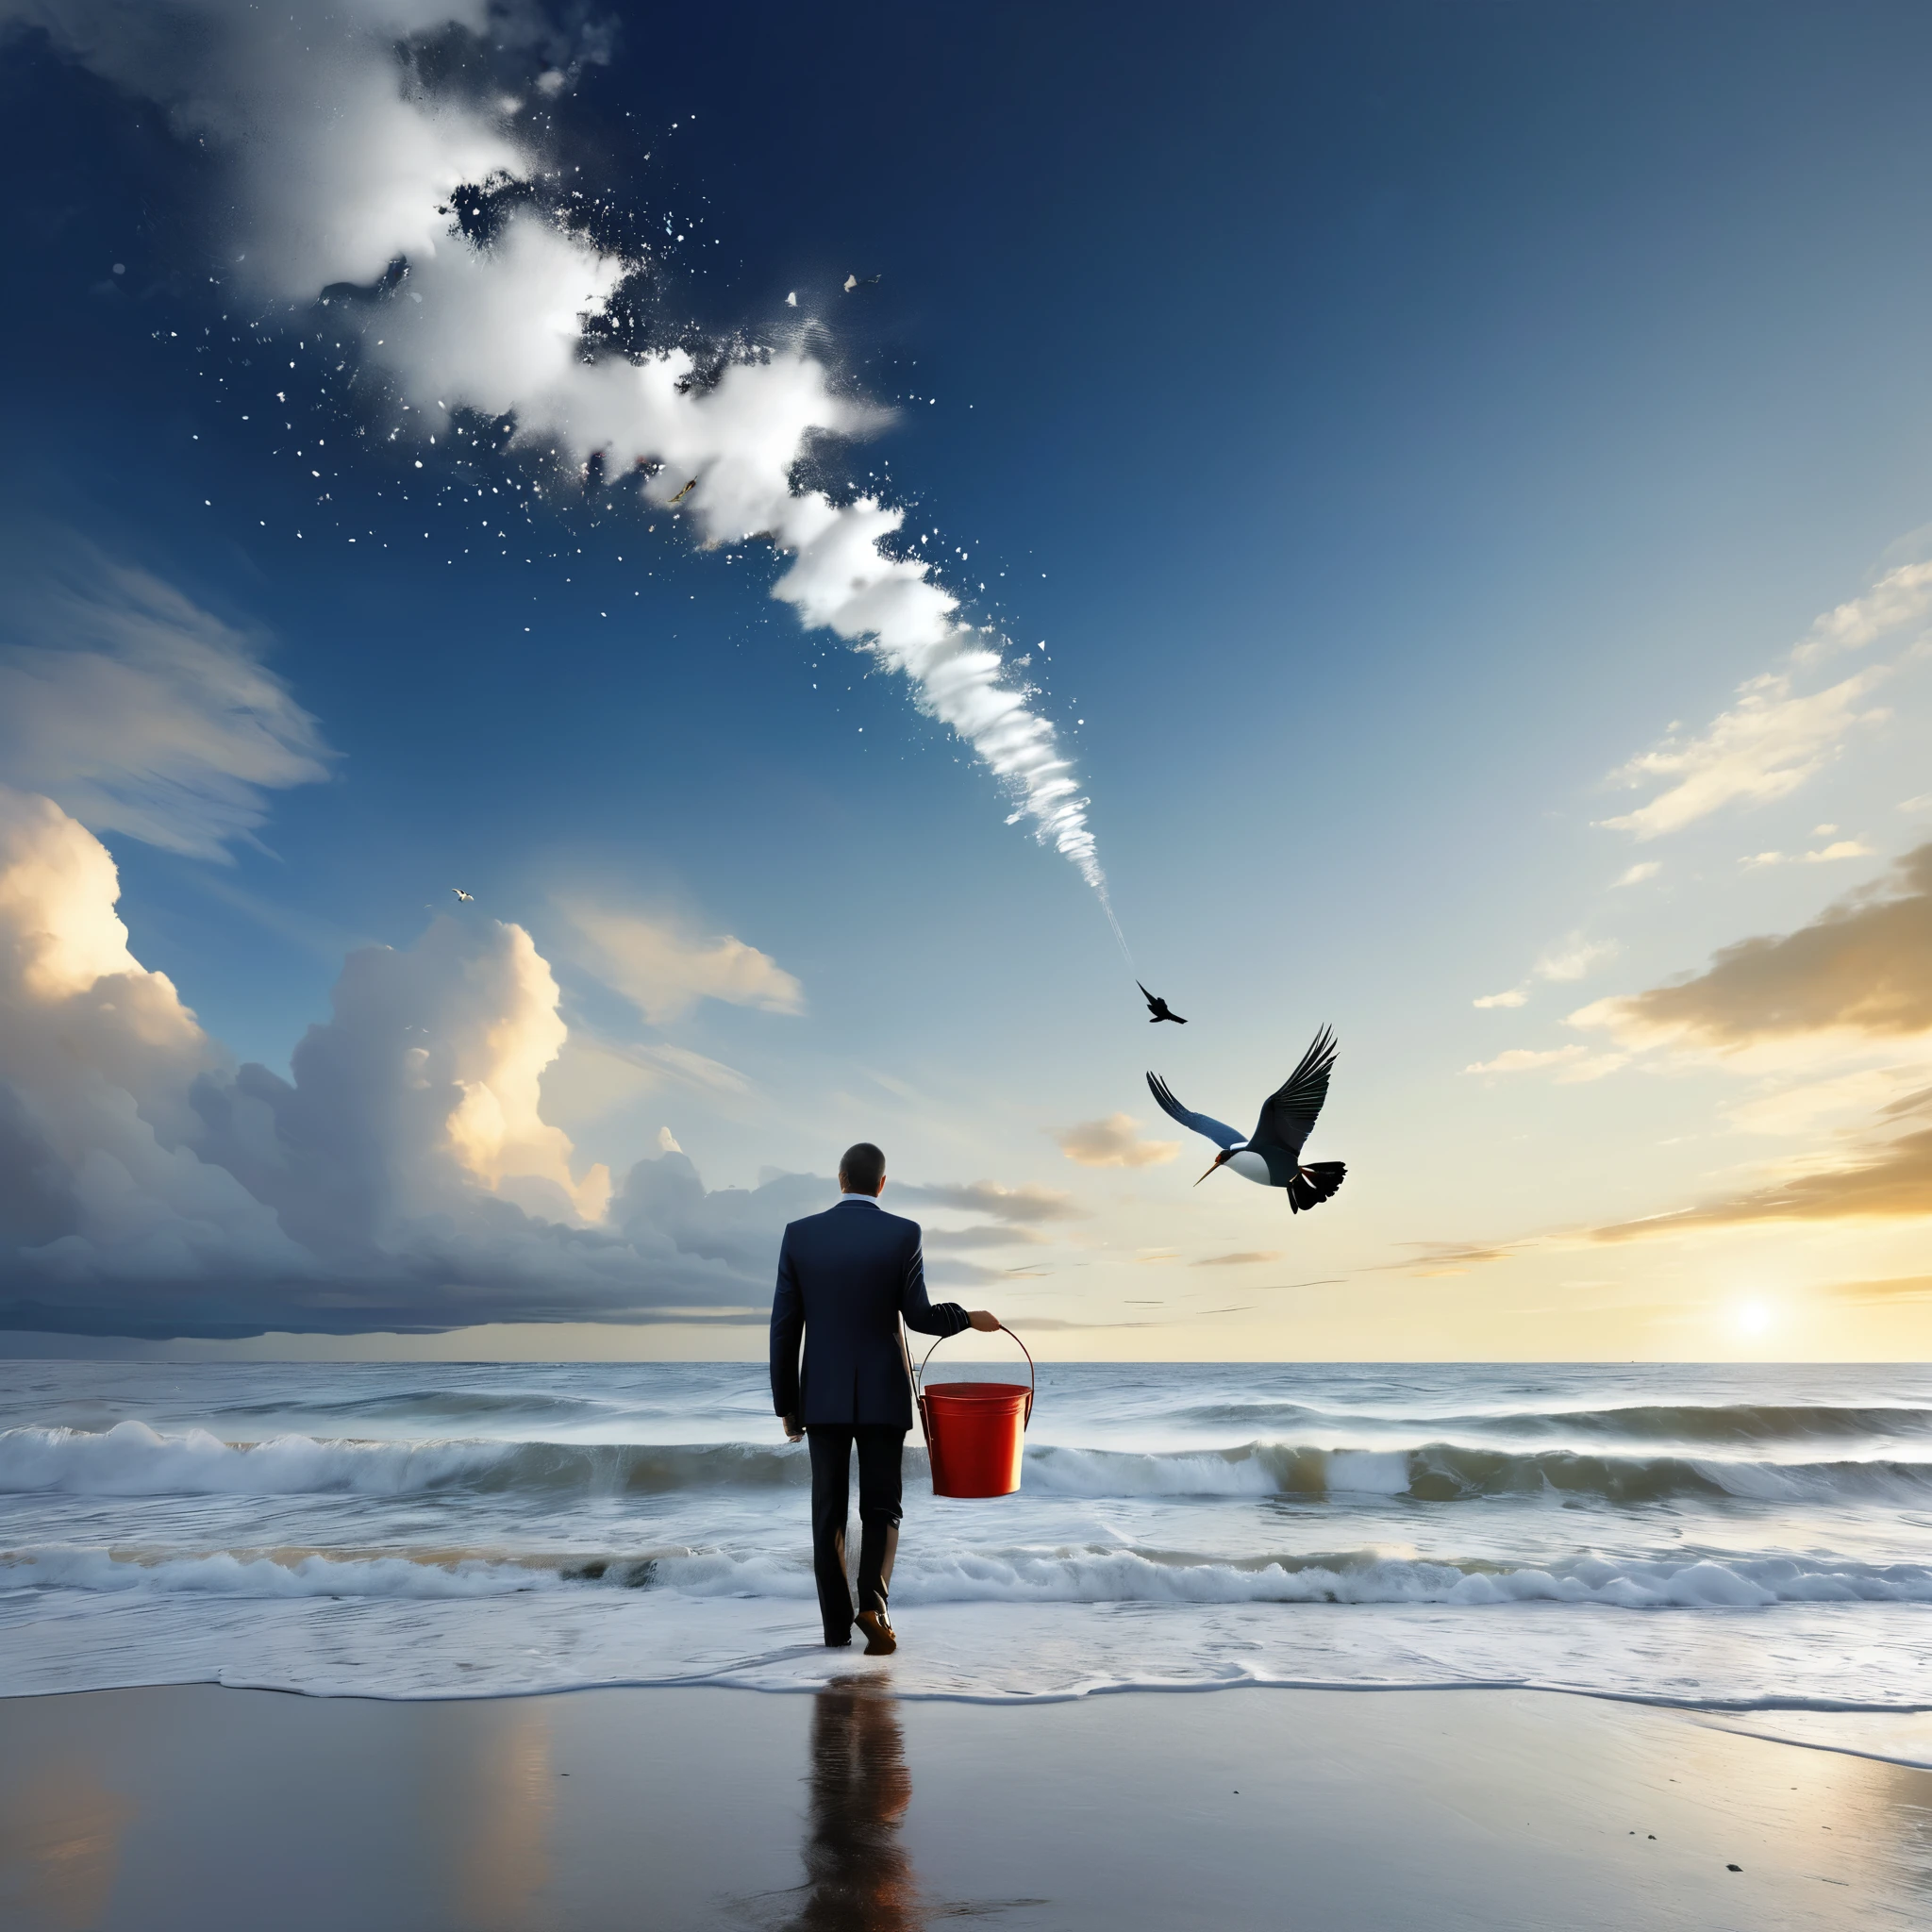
(852, 1810)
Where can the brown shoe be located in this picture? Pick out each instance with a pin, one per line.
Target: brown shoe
(880, 1640)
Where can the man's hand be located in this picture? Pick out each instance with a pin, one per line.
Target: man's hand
(793, 1432)
(986, 1324)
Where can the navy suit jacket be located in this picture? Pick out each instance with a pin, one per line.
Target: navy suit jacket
(846, 1277)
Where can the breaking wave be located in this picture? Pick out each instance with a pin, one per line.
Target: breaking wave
(1064, 1576)
(434, 1404)
(1741, 1425)
(1454, 1472)
(132, 1459)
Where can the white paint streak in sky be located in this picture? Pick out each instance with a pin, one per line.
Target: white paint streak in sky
(345, 158)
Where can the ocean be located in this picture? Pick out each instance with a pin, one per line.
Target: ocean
(1725, 1538)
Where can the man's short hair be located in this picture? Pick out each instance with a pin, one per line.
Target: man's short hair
(861, 1167)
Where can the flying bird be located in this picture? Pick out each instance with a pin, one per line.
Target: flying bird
(860, 282)
(1271, 1157)
(468, 898)
(1158, 1009)
(791, 300)
(682, 494)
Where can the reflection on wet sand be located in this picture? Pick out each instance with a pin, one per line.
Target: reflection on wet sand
(857, 1875)
(491, 1798)
(59, 1849)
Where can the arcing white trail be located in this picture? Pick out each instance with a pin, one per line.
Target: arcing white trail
(349, 160)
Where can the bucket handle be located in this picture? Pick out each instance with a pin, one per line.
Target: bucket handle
(919, 1380)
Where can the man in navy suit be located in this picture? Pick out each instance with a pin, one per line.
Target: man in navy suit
(846, 1277)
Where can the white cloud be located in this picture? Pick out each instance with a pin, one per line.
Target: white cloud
(1764, 747)
(988, 1234)
(1593, 1067)
(346, 166)
(1114, 1142)
(1636, 875)
(134, 708)
(1898, 597)
(1571, 961)
(665, 968)
(1571, 1063)
(1027, 1205)
(1842, 848)
(1526, 1060)
(1575, 960)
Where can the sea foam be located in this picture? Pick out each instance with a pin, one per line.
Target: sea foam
(1091, 1576)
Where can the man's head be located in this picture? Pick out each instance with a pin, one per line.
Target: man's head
(861, 1169)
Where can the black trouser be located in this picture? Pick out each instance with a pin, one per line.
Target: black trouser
(880, 1451)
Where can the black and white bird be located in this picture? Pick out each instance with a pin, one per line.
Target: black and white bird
(467, 898)
(1271, 1157)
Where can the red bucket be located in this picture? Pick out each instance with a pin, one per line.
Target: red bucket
(975, 1431)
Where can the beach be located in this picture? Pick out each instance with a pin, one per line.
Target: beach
(851, 1807)
(535, 1645)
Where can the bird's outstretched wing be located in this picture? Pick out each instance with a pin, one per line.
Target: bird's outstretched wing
(1287, 1115)
(1204, 1124)
(1146, 995)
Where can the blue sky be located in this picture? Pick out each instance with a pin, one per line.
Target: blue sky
(1394, 419)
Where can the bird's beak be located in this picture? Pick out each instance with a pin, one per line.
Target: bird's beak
(1211, 1166)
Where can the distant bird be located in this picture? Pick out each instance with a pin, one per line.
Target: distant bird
(1271, 1156)
(682, 494)
(791, 300)
(1159, 1008)
(860, 282)
(468, 898)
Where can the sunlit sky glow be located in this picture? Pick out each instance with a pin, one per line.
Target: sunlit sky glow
(1434, 505)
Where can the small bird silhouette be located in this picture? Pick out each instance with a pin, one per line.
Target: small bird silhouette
(860, 282)
(1271, 1157)
(1158, 1009)
(682, 494)
(468, 898)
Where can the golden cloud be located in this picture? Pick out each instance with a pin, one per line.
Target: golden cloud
(1910, 1288)
(1893, 1183)
(1864, 965)
(1113, 1142)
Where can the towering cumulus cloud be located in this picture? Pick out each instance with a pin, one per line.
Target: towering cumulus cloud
(348, 158)
(401, 1179)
